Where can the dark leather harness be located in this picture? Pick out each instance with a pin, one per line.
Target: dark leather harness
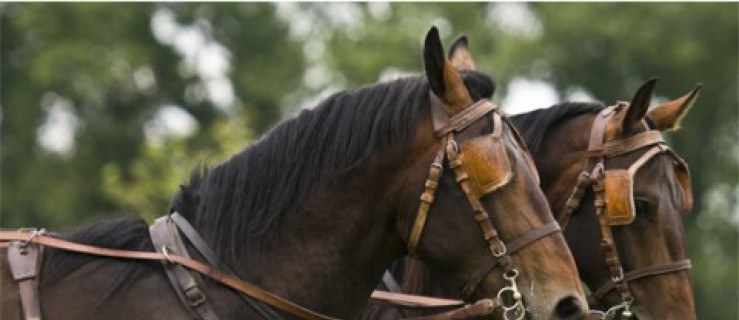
(593, 175)
(185, 273)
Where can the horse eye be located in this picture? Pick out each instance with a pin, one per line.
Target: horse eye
(641, 206)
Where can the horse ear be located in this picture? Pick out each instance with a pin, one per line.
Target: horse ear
(638, 107)
(667, 116)
(460, 56)
(445, 81)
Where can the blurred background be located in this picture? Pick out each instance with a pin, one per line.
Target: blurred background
(106, 108)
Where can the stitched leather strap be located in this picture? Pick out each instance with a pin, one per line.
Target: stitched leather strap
(24, 260)
(427, 198)
(677, 266)
(444, 125)
(204, 269)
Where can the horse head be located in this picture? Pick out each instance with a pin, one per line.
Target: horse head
(487, 175)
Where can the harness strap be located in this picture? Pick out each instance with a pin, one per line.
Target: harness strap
(479, 308)
(196, 240)
(427, 198)
(204, 249)
(573, 202)
(676, 266)
(24, 259)
(188, 286)
(389, 281)
(609, 248)
(514, 246)
(626, 145)
(443, 125)
(207, 270)
(413, 301)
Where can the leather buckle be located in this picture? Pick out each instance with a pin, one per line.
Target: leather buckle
(195, 297)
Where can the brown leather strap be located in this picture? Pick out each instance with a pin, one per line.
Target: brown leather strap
(677, 266)
(207, 270)
(626, 145)
(573, 202)
(444, 125)
(413, 301)
(187, 285)
(24, 260)
(480, 308)
(598, 129)
(427, 198)
(609, 248)
(514, 246)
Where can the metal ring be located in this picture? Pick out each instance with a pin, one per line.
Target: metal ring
(518, 310)
(511, 277)
(619, 277)
(501, 252)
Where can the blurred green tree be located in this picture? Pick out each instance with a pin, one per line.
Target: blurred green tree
(105, 73)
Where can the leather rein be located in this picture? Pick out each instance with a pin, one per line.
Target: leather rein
(593, 176)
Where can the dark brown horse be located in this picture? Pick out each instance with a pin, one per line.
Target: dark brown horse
(317, 209)
(650, 248)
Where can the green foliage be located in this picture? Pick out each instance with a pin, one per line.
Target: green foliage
(105, 64)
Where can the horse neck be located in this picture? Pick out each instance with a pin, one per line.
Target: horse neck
(560, 160)
(328, 252)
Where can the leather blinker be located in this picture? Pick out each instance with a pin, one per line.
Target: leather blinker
(619, 197)
(487, 163)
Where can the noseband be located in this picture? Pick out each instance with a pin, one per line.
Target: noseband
(445, 128)
(595, 175)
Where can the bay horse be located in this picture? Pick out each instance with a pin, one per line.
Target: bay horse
(627, 238)
(316, 209)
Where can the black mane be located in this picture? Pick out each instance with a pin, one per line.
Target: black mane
(534, 125)
(243, 198)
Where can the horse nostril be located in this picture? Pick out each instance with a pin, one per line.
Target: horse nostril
(569, 308)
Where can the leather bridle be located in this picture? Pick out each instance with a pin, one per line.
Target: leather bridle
(593, 176)
(445, 128)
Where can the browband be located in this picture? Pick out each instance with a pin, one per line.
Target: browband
(443, 124)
